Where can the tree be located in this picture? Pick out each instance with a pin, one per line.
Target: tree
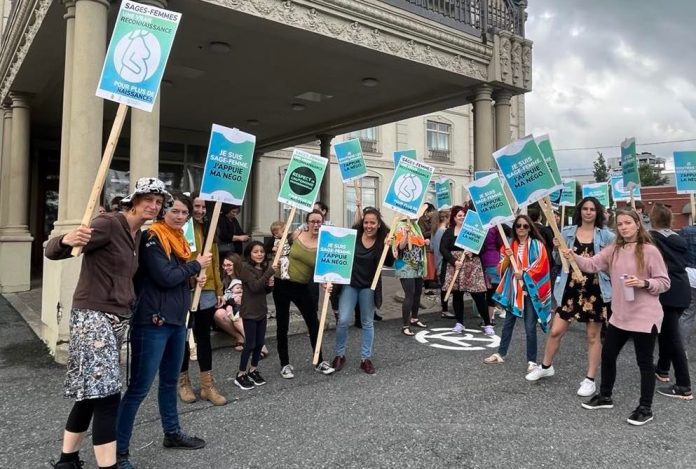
(650, 176)
(601, 172)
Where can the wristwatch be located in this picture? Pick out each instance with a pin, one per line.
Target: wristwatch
(646, 284)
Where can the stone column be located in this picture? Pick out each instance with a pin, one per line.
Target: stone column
(256, 195)
(483, 129)
(81, 150)
(145, 132)
(502, 118)
(15, 239)
(5, 166)
(325, 151)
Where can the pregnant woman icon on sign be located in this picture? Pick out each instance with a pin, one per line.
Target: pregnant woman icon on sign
(408, 187)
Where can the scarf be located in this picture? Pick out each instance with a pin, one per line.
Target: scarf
(171, 239)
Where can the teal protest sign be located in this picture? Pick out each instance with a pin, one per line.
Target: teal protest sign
(482, 174)
(302, 180)
(443, 194)
(228, 165)
(335, 253)
(189, 234)
(569, 193)
(350, 160)
(598, 190)
(544, 144)
(619, 192)
(473, 234)
(629, 164)
(403, 154)
(685, 171)
(488, 196)
(525, 171)
(137, 54)
(408, 186)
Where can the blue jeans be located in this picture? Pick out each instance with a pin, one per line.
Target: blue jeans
(530, 322)
(365, 298)
(154, 348)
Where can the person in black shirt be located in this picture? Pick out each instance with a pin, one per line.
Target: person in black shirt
(231, 237)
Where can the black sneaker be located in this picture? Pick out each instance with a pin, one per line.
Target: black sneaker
(680, 392)
(640, 416)
(244, 382)
(77, 464)
(598, 402)
(181, 440)
(122, 461)
(256, 378)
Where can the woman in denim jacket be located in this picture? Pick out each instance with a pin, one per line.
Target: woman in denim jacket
(588, 301)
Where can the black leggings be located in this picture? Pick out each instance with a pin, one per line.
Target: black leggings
(104, 410)
(413, 287)
(671, 347)
(480, 301)
(202, 324)
(644, 344)
(284, 292)
(254, 339)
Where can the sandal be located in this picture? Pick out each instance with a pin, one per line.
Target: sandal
(407, 331)
(493, 359)
(417, 323)
(239, 346)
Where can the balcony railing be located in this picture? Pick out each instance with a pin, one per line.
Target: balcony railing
(468, 15)
(368, 146)
(439, 155)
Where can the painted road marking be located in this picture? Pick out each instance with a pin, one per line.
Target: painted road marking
(446, 338)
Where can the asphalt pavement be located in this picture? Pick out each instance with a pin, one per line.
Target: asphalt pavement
(432, 403)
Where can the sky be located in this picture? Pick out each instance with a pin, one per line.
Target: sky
(611, 69)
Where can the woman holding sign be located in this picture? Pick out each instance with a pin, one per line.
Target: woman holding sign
(526, 293)
(298, 288)
(468, 270)
(587, 301)
(410, 264)
(371, 237)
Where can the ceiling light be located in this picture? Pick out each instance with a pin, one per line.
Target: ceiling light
(298, 107)
(219, 47)
(370, 82)
(313, 96)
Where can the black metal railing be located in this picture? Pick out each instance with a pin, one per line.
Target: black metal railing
(469, 16)
(439, 155)
(368, 146)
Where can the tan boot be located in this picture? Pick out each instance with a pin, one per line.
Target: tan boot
(208, 390)
(184, 389)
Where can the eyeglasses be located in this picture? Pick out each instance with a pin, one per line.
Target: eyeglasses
(523, 226)
(315, 222)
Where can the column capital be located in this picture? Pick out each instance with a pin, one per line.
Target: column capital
(483, 93)
(69, 6)
(502, 97)
(20, 99)
(325, 137)
(105, 3)
(7, 111)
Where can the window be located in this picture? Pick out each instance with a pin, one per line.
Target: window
(438, 136)
(368, 190)
(368, 139)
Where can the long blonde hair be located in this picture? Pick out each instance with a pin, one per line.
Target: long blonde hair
(642, 238)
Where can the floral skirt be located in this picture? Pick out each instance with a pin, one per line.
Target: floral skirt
(93, 354)
(470, 278)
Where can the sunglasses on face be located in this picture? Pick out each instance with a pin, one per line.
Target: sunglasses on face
(523, 226)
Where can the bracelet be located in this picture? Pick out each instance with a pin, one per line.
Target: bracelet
(646, 284)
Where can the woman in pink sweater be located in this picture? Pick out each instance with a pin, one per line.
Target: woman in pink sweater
(638, 276)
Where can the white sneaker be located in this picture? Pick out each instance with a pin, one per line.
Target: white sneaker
(587, 388)
(324, 368)
(500, 312)
(531, 366)
(538, 372)
(458, 328)
(287, 372)
(488, 330)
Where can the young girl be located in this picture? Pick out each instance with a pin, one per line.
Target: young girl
(638, 276)
(256, 276)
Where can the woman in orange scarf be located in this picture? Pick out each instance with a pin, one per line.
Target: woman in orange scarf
(410, 264)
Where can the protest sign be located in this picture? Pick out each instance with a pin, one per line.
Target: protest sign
(228, 165)
(335, 251)
(482, 174)
(408, 187)
(488, 196)
(525, 170)
(685, 171)
(598, 190)
(619, 192)
(544, 144)
(569, 193)
(350, 158)
(404, 154)
(629, 164)
(302, 180)
(443, 194)
(473, 234)
(190, 235)
(137, 54)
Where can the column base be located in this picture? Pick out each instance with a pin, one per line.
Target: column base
(15, 251)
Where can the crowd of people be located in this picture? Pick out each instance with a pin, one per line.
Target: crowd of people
(633, 284)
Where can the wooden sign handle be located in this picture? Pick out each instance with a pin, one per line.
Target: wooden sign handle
(545, 204)
(208, 246)
(322, 324)
(693, 208)
(451, 284)
(103, 170)
(284, 238)
(383, 257)
(358, 192)
(506, 243)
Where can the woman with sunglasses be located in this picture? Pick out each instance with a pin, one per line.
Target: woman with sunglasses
(526, 293)
(470, 278)
(587, 301)
(300, 289)
(158, 330)
(638, 276)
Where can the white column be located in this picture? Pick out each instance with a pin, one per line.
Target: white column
(5, 166)
(502, 118)
(483, 129)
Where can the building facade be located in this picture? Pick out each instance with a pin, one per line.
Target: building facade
(442, 77)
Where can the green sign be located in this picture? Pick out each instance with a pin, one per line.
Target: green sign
(544, 145)
(599, 191)
(443, 194)
(488, 196)
(335, 253)
(569, 193)
(629, 164)
(189, 234)
(302, 180)
(350, 160)
(473, 234)
(685, 171)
